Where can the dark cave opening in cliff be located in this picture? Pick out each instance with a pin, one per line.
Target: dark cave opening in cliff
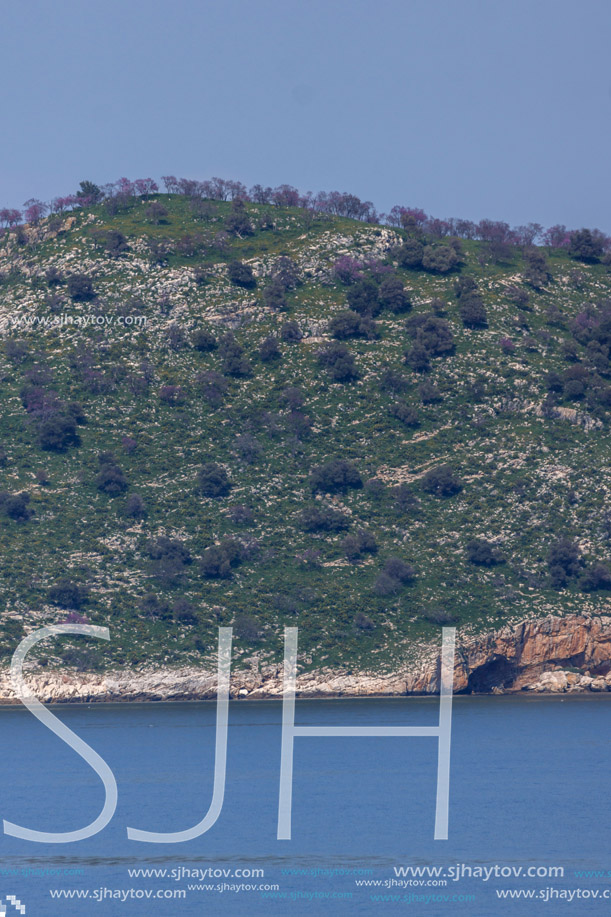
(497, 672)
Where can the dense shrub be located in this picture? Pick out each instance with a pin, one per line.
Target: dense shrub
(363, 298)
(465, 285)
(53, 276)
(184, 612)
(285, 272)
(170, 548)
(585, 246)
(75, 410)
(135, 508)
(156, 213)
(568, 351)
(385, 585)
(299, 423)
(270, 422)
(518, 295)
(16, 351)
(218, 560)
(232, 354)
(322, 518)
(269, 350)
(241, 275)
(213, 480)
(293, 397)
(213, 387)
(354, 546)
(441, 481)
(246, 628)
(439, 259)
(395, 575)
(597, 577)
(574, 389)
(201, 276)
(291, 332)
(348, 324)
(40, 402)
(237, 223)
(129, 444)
(172, 394)
(15, 506)
(339, 361)
(335, 476)
(393, 296)
(593, 326)
(405, 413)
(564, 562)
(169, 557)
(483, 553)
(67, 594)
(115, 244)
(204, 341)
(405, 500)
(58, 433)
(393, 381)
(310, 558)
(417, 357)
(110, 479)
(274, 296)
(80, 288)
(410, 254)
(438, 306)
(495, 251)
(151, 606)
(432, 332)
(536, 272)
(375, 488)
(439, 616)
(73, 617)
(472, 311)
(430, 394)
(399, 570)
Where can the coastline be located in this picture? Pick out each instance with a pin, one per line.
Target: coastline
(552, 655)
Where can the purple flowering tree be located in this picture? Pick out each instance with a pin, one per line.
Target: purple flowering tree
(35, 210)
(10, 217)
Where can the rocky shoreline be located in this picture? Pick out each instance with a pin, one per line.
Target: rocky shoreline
(549, 655)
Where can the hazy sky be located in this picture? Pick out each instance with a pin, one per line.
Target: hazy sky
(466, 108)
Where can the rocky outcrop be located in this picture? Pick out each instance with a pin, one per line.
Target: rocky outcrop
(515, 657)
(533, 655)
(559, 682)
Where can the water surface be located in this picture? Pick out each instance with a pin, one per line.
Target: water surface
(530, 783)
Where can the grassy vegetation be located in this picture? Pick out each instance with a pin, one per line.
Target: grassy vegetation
(528, 476)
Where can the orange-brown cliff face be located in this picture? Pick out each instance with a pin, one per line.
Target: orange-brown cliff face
(514, 657)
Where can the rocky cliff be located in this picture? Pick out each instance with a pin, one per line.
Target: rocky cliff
(549, 654)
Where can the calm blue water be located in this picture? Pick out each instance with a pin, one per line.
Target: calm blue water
(530, 786)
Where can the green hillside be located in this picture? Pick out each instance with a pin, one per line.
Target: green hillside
(175, 458)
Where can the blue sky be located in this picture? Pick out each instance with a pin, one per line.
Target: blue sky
(477, 108)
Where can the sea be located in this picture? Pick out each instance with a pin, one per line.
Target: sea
(528, 828)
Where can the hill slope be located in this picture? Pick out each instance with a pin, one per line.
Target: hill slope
(120, 379)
